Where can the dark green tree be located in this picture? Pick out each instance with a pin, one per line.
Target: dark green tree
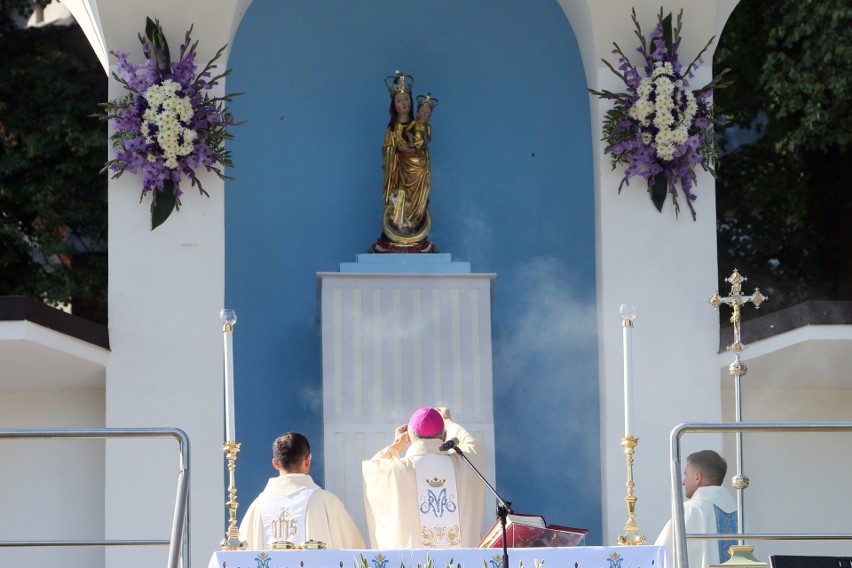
(783, 194)
(53, 206)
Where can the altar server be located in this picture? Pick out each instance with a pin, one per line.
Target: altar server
(709, 509)
(429, 498)
(293, 508)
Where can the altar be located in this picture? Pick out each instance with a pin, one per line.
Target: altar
(579, 557)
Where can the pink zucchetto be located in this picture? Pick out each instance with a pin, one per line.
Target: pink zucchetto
(426, 422)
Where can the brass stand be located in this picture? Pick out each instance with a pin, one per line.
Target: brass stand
(741, 557)
(232, 537)
(631, 536)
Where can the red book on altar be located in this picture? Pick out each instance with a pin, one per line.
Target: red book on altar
(531, 531)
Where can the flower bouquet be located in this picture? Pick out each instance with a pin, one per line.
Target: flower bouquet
(167, 126)
(659, 128)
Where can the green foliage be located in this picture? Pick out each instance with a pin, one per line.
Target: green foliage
(782, 194)
(808, 72)
(53, 207)
(613, 134)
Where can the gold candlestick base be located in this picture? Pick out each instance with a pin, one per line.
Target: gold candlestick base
(631, 536)
(232, 536)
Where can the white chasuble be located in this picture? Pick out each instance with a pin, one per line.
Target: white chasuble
(437, 500)
(284, 516)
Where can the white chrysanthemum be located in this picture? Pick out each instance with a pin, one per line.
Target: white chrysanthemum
(680, 134)
(664, 88)
(665, 151)
(185, 110)
(639, 109)
(647, 138)
(664, 104)
(171, 87)
(663, 69)
(691, 105)
(663, 120)
(645, 88)
(169, 112)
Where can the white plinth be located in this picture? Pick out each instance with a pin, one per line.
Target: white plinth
(391, 343)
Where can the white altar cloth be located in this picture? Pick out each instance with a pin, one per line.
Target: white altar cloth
(579, 557)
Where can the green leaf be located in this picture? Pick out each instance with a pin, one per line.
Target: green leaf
(658, 187)
(163, 205)
(159, 45)
(667, 32)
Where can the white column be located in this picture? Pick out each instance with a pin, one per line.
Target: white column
(166, 288)
(663, 266)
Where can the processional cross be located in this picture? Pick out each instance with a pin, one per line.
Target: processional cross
(735, 300)
(737, 369)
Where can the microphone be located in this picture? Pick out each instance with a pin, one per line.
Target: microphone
(451, 444)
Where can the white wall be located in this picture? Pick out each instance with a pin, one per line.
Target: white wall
(798, 481)
(52, 486)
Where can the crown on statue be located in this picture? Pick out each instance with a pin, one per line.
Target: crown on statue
(427, 100)
(399, 82)
(436, 482)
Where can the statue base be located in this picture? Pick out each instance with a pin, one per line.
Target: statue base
(384, 245)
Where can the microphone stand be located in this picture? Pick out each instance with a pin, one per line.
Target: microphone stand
(504, 508)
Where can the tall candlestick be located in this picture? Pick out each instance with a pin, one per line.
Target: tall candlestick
(628, 314)
(229, 317)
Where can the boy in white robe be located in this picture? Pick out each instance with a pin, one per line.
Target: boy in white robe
(709, 509)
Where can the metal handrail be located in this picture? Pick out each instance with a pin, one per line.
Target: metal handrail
(722, 427)
(179, 541)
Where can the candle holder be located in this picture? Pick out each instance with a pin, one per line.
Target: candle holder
(631, 536)
(232, 536)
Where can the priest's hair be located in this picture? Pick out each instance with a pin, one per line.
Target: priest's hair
(710, 464)
(290, 449)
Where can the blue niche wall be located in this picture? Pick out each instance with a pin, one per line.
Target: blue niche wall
(512, 193)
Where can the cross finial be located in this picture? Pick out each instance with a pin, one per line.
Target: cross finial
(736, 299)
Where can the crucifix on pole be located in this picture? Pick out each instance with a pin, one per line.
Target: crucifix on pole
(737, 369)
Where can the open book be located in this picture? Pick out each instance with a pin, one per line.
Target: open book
(531, 531)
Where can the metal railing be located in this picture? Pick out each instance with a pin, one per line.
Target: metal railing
(179, 541)
(678, 523)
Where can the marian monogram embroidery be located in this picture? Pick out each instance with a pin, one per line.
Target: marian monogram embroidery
(437, 504)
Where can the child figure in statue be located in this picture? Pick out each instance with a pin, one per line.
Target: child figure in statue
(419, 132)
(407, 175)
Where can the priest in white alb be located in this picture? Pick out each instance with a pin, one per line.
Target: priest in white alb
(293, 509)
(429, 498)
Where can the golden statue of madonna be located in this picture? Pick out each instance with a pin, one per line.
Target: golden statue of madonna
(408, 178)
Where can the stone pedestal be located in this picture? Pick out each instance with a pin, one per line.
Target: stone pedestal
(401, 331)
